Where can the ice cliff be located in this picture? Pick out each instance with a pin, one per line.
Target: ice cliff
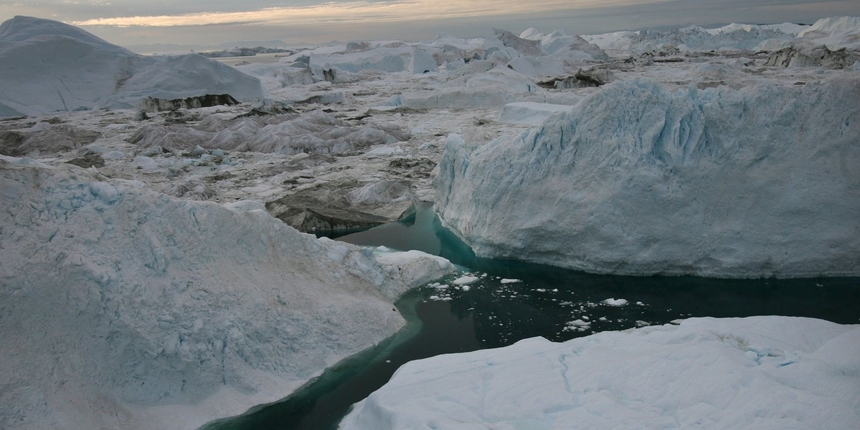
(745, 373)
(635, 179)
(48, 66)
(125, 308)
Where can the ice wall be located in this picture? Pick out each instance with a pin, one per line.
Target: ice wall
(124, 308)
(635, 179)
(745, 373)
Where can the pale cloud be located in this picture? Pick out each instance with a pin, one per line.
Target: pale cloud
(362, 11)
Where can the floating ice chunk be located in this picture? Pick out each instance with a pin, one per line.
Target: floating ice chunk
(577, 325)
(511, 281)
(615, 302)
(413, 268)
(633, 377)
(466, 280)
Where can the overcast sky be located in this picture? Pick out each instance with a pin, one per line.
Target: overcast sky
(208, 22)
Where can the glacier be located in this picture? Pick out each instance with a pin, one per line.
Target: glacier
(127, 303)
(736, 373)
(125, 308)
(48, 66)
(639, 180)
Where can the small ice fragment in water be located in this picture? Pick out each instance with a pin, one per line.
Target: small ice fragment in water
(466, 280)
(510, 281)
(578, 325)
(615, 302)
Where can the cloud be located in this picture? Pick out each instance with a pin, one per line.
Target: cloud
(361, 11)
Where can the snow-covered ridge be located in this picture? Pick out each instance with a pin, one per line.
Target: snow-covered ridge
(124, 308)
(48, 66)
(636, 179)
(745, 373)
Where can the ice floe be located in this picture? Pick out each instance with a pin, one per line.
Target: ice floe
(747, 373)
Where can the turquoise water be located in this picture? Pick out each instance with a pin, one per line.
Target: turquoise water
(557, 304)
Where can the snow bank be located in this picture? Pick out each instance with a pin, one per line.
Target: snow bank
(749, 373)
(123, 308)
(48, 66)
(762, 181)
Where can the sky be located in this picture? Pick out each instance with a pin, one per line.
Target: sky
(209, 22)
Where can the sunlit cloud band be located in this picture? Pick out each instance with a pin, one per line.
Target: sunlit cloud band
(361, 11)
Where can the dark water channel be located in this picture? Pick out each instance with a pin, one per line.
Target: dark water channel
(514, 301)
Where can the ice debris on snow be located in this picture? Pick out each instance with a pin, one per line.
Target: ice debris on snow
(315, 132)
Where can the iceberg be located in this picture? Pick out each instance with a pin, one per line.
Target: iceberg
(835, 32)
(48, 66)
(126, 308)
(736, 373)
(636, 179)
